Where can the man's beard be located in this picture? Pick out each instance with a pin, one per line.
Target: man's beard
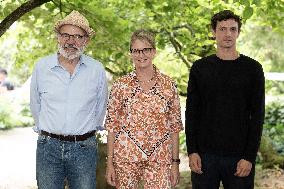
(72, 55)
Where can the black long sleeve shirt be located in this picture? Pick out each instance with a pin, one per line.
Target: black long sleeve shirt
(225, 107)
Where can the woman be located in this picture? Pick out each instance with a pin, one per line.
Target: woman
(143, 123)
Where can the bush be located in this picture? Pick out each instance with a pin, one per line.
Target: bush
(14, 112)
(274, 88)
(274, 113)
(274, 124)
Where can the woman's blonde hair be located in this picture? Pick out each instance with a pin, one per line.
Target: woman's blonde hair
(143, 35)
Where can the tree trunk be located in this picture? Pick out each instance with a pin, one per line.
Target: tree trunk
(101, 167)
(18, 13)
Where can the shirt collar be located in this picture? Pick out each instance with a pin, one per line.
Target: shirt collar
(55, 63)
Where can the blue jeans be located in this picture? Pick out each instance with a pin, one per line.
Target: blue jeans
(57, 160)
(218, 169)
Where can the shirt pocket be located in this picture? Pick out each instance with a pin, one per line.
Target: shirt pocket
(44, 90)
(51, 91)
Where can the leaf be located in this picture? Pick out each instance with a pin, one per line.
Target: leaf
(148, 4)
(248, 12)
(118, 55)
(256, 2)
(245, 2)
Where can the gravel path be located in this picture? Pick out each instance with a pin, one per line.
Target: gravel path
(17, 159)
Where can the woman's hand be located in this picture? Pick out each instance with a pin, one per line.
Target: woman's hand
(175, 175)
(110, 174)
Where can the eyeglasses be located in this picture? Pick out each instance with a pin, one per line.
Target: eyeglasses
(76, 37)
(145, 51)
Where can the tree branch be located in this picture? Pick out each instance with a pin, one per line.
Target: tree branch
(178, 49)
(188, 27)
(18, 13)
(110, 71)
(177, 46)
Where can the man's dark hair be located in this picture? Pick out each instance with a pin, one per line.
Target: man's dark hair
(3, 71)
(225, 15)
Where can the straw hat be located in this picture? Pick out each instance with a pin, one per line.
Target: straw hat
(75, 19)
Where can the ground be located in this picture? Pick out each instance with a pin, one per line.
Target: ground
(17, 164)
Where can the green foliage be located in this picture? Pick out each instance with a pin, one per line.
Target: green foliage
(14, 112)
(271, 14)
(274, 113)
(183, 26)
(274, 88)
(182, 142)
(274, 124)
(264, 44)
(248, 12)
(169, 63)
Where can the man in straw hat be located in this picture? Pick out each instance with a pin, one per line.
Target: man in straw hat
(68, 102)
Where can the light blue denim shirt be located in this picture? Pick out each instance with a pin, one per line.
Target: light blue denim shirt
(68, 104)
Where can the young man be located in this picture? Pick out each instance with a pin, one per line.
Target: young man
(68, 102)
(224, 112)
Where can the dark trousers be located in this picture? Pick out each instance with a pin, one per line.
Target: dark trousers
(218, 169)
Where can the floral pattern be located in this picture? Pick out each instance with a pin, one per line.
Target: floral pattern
(143, 120)
(153, 175)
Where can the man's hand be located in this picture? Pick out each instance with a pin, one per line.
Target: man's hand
(110, 174)
(195, 163)
(175, 175)
(243, 168)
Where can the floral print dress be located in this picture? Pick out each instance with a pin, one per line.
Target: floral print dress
(143, 120)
